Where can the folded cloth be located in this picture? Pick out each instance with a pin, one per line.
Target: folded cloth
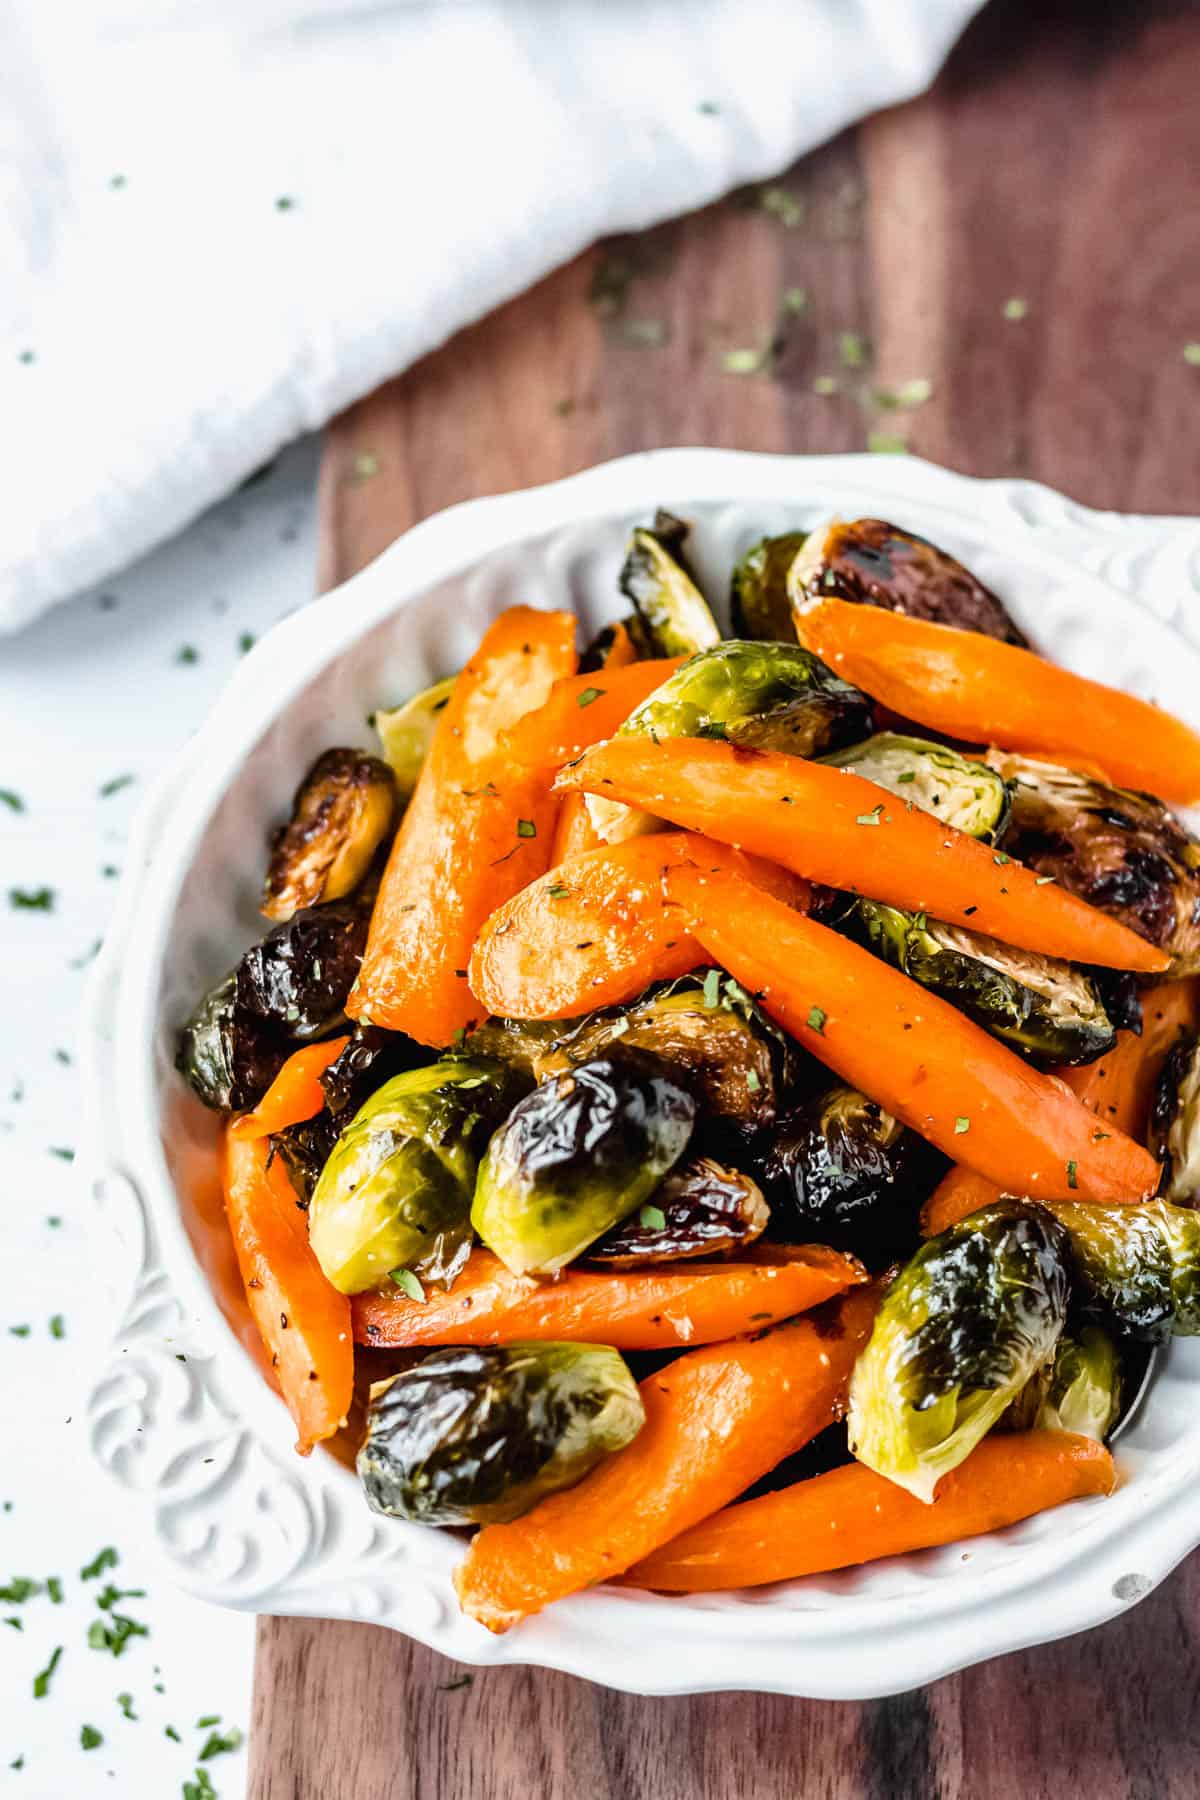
(223, 220)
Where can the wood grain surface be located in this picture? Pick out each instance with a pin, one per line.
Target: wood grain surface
(1054, 163)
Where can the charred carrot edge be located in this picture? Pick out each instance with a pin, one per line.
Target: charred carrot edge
(834, 826)
(852, 1515)
(975, 687)
(304, 1322)
(1117, 1088)
(658, 1309)
(478, 828)
(295, 1094)
(716, 1420)
(911, 1051)
(597, 930)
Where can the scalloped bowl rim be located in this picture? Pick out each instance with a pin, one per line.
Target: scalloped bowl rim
(854, 1646)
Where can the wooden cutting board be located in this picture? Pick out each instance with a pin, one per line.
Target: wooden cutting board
(1053, 165)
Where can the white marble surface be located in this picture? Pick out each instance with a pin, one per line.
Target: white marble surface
(101, 689)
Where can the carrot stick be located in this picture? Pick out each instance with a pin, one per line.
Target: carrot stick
(295, 1094)
(975, 687)
(1117, 1088)
(582, 710)
(910, 1050)
(833, 826)
(303, 1320)
(716, 1420)
(478, 828)
(651, 1309)
(852, 1515)
(598, 929)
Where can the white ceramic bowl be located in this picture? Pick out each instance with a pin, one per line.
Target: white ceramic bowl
(181, 1413)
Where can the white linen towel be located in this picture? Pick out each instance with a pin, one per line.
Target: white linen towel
(223, 220)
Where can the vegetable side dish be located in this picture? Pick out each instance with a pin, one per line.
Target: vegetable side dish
(735, 1103)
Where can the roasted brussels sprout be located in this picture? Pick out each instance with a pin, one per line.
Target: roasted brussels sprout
(699, 1209)
(758, 593)
(289, 988)
(957, 789)
(305, 1149)
(1175, 1123)
(958, 1334)
(1123, 852)
(763, 696)
(342, 812)
(877, 564)
(577, 1155)
(396, 1191)
(724, 1054)
(1047, 1009)
(1137, 1267)
(229, 1057)
(656, 577)
(839, 1170)
(407, 732)
(478, 1436)
(297, 977)
(1078, 1390)
(371, 1057)
(530, 1045)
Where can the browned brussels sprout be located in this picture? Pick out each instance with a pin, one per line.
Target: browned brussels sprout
(305, 1149)
(1137, 1267)
(876, 564)
(839, 1170)
(577, 1155)
(342, 812)
(758, 594)
(960, 1331)
(700, 1209)
(959, 790)
(1047, 1009)
(1175, 1123)
(228, 1057)
(1123, 852)
(289, 988)
(655, 576)
(477, 1436)
(395, 1194)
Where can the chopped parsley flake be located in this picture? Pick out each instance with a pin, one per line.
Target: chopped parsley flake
(886, 443)
(816, 1020)
(825, 385)
(54, 1589)
(851, 349)
(961, 1124)
(174, 1736)
(104, 1559)
(1071, 1173)
(558, 891)
(905, 776)
(712, 988)
(747, 361)
(41, 1681)
(246, 641)
(407, 1282)
(125, 1702)
(18, 1590)
(200, 1789)
(1016, 308)
(63, 1153)
(652, 1218)
(999, 858)
(19, 1331)
(794, 300)
(57, 1330)
(31, 899)
(10, 798)
(186, 654)
(366, 464)
(115, 785)
(782, 206)
(90, 1738)
(909, 393)
(589, 694)
(221, 1745)
(1191, 355)
(526, 828)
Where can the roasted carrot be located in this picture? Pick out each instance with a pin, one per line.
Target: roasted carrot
(975, 687)
(911, 1051)
(574, 832)
(716, 1420)
(834, 826)
(598, 929)
(852, 1515)
(652, 1309)
(1117, 1088)
(295, 1094)
(583, 710)
(304, 1322)
(478, 828)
